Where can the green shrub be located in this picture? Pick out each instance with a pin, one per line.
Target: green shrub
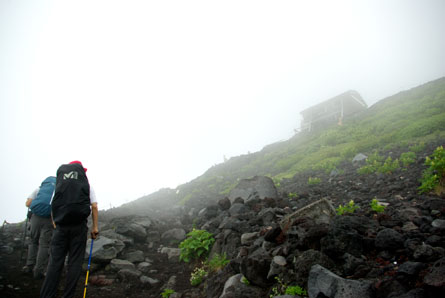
(167, 293)
(407, 158)
(433, 178)
(292, 195)
(313, 181)
(217, 262)
(245, 281)
(373, 163)
(284, 289)
(197, 276)
(348, 208)
(197, 244)
(376, 206)
(389, 166)
(418, 147)
(295, 290)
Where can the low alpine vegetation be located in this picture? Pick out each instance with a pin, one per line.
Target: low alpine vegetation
(292, 196)
(283, 289)
(375, 164)
(245, 281)
(347, 208)
(197, 276)
(433, 178)
(313, 181)
(375, 206)
(197, 244)
(166, 293)
(408, 158)
(217, 262)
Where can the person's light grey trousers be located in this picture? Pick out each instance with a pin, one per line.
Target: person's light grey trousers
(38, 250)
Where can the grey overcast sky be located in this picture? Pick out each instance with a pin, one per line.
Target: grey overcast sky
(150, 94)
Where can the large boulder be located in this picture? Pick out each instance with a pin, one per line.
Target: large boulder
(173, 236)
(104, 249)
(209, 212)
(113, 235)
(389, 239)
(321, 212)
(436, 275)
(118, 264)
(133, 230)
(304, 262)
(234, 287)
(257, 187)
(324, 283)
(172, 253)
(134, 256)
(255, 267)
(347, 234)
(277, 266)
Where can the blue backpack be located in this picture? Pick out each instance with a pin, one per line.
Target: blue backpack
(41, 204)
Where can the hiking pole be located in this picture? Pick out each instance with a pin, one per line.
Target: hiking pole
(88, 270)
(24, 237)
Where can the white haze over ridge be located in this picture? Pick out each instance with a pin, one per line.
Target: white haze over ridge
(151, 94)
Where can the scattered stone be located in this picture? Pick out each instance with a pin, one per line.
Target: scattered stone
(439, 223)
(135, 256)
(117, 264)
(147, 280)
(435, 276)
(277, 266)
(359, 158)
(248, 238)
(224, 204)
(389, 239)
(173, 236)
(249, 189)
(172, 253)
(324, 283)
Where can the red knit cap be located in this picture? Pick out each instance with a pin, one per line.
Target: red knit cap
(76, 161)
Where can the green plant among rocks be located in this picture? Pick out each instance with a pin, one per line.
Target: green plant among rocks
(167, 292)
(198, 276)
(295, 290)
(283, 289)
(292, 196)
(217, 262)
(313, 181)
(375, 206)
(417, 147)
(433, 178)
(375, 164)
(347, 208)
(197, 244)
(245, 281)
(408, 158)
(389, 166)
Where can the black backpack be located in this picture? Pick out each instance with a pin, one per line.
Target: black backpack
(71, 202)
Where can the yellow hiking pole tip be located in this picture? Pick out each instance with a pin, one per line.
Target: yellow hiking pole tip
(88, 270)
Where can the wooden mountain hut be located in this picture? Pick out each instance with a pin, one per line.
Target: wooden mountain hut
(332, 111)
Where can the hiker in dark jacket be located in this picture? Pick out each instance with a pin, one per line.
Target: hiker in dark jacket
(41, 228)
(73, 201)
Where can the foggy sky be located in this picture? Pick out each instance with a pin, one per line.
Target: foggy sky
(150, 95)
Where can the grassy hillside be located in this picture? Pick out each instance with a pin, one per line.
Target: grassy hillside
(409, 119)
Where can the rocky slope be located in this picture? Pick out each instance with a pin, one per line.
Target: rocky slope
(288, 231)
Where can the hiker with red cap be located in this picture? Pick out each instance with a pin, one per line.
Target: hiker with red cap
(74, 199)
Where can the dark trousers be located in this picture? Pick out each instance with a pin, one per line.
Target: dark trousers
(69, 240)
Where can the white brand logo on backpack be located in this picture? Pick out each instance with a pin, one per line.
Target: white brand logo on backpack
(70, 175)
